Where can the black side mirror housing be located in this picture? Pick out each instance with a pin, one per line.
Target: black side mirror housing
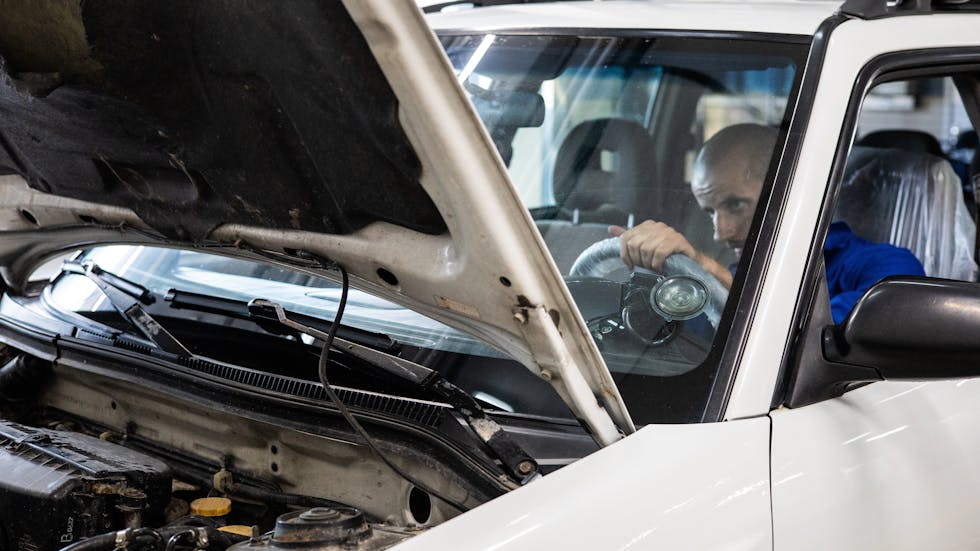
(903, 328)
(911, 329)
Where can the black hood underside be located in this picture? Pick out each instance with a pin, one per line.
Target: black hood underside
(199, 113)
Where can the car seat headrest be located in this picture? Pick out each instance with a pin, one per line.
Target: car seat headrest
(603, 166)
(906, 140)
(911, 200)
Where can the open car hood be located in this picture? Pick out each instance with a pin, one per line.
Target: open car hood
(306, 128)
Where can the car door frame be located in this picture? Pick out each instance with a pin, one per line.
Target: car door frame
(900, 441)
(785, 286)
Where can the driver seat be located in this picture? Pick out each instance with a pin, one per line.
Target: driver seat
(602, 172)
(912, 200)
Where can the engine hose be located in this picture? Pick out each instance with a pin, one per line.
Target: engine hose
(192, 520)
(144, 538)
(217, 540)
(173, 540)
(101, 542)
(21, 377)
(137, 539)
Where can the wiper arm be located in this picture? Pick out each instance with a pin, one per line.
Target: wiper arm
(127, 297)
(229, 307)
(517, 462)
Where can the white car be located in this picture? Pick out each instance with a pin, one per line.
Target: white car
(326, 279)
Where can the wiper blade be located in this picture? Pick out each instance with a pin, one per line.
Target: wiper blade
(186, 300)
(516, 461)
(128, 298)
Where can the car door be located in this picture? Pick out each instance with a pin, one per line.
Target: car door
(891, 464)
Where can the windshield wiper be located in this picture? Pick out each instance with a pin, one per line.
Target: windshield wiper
(516, 461)
(127, 297)
(234, 308)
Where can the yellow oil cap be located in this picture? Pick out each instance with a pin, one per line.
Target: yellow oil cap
(239, 529)
(211, 506)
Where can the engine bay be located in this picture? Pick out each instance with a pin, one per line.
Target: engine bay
(92, 461)
(68, 486)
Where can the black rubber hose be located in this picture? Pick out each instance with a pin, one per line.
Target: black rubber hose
(101, 542)
(21, 377)
(192, 520)
(141, 538)
(342, 408)
(219, 541)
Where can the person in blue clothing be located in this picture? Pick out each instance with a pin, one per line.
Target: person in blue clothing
(727, 179)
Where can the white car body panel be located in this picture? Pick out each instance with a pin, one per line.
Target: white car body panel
(852, 45)
(890, 465)
(701, 487)
(787, 17)
(887, 466)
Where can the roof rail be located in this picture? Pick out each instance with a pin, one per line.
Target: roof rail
(439, 6)
(877, 9)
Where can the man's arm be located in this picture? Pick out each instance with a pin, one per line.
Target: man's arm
(650, 243)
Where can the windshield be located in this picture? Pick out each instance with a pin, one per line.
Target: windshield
(487, 374)
(601, 135)
(666, 140)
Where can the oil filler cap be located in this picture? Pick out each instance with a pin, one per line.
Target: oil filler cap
(211, 506)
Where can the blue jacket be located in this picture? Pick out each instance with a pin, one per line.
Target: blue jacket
(854, 265)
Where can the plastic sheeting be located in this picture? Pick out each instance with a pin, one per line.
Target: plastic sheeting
(911, 200)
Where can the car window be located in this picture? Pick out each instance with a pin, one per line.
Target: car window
(477, 368)
(600, 135)
(906, 202)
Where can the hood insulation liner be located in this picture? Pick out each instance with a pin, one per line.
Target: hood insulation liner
(195, 114)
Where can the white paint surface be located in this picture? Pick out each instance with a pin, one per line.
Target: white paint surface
(699, 487)
(851, 47)
(773, 16)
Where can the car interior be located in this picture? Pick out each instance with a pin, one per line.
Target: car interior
(903, 186)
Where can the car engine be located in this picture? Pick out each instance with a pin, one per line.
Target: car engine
(69, 483)
(68, 487)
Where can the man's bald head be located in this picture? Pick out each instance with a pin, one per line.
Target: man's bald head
(748, 145)
(728, 176)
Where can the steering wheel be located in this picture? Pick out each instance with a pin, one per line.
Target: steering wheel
(603, 257)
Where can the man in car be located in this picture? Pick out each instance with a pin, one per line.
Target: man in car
(728, 176)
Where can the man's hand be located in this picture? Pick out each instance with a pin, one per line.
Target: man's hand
(650, 243)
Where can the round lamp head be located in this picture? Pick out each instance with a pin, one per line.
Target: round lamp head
(678, 298)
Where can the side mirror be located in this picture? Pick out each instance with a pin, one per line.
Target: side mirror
(903, 328)
(911, 329)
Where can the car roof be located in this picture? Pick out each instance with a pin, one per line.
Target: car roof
(800, 17)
